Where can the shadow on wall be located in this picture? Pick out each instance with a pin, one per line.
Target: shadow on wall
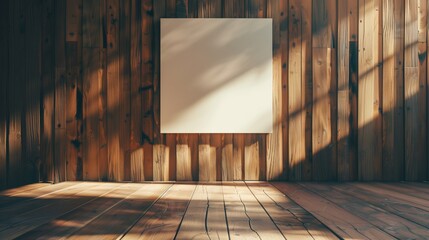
(95, 74)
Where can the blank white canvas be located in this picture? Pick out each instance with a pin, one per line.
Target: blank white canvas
(216, 76)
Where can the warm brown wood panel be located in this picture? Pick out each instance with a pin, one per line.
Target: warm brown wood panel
(415, 91)
(81, 99)
(73, 74)
(296, 102)
(47, 120)
(393, 85)
(369, 121)
(124, 88)
(60, 91)
(32, 92)
(346, 84)
(274, 152)
(324, 90)
(114, 86)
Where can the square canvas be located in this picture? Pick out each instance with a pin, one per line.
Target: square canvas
(216, 76)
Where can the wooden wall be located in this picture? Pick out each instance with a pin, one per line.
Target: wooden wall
(80, 93)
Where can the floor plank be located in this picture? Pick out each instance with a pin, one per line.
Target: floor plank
(394, 206)
(163, 219)
(415, 201)
(40, 202)
(11, 196)
(205, 217)
(115, 222)
(292, 220)
(226, 210)
(71, 222)
(407, 189)
(25, 188)
(385, 221)
(342, 222)
(246, 217)
(58, 205)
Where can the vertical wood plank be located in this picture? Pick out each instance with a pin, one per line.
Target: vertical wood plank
(33, 89)
(136, 75)
(125, 86)
(216, 144)
(369, 132)
(415, 90)
(324, 90)
(147, 87)
(296, 113)
(193, 145)
(227, 158)
(103, 165)
(284, 42)
(274, 140)
(206, 159)
(73, 61)
(137, 165)
(393, 85)
(161, 170)
(4, 77)
(114, 87)
(47, 128)
(183, 158)
(307, 87)
(159, 11)
(91, 78)
(60, 91)
(346, 117)
(238, 156)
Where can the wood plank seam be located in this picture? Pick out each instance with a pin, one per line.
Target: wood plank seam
(142, 215)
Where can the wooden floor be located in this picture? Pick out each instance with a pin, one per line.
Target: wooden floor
(228, 210)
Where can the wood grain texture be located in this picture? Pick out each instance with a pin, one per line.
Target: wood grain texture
(324, 90)
(284, 48)
(307, 87)
(91, 79)
(124, 214)
(342, 222)
(274, 152)
(205, 215)
(137, 165)
(393, 85)
(81, 93)
(72, 78)
(415, 94)
(293, 221)
(114, 113)
(296, 113)
(206, 159)
(162, 219)
(60, 91)
(391, 224)
(369, 128)
(346, 96)
(161, 165)
(47, 120)
(31, 132)
(125, 87)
